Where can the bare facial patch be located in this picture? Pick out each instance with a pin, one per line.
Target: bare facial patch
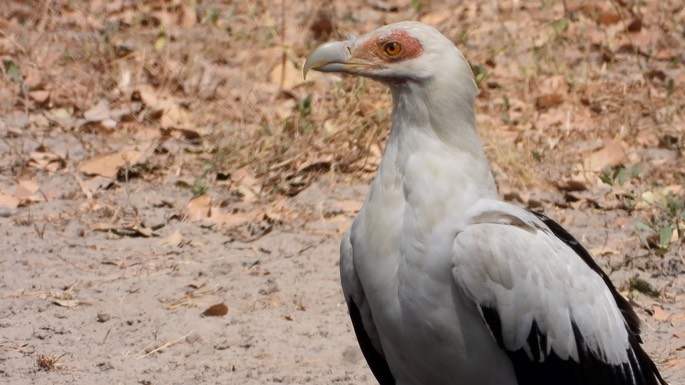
(393, 47)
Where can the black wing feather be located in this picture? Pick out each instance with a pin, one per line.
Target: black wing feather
(628, 313)
(377, 363)
(549, 369)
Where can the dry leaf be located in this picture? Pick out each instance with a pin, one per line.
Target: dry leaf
(26, 188)
(66, 302)
(99, 112)
(248, 186)
(571, 185)
(108, 165)
(149, 96)
(548, 101)
(610, 155)
(199, 208)
(93, 184)
(291, 76)
(188, 18)
(40, 96)
(608, 18)
(635, 25)
(44, 160)
(174, 117)
(174, 239)
(216, 310)
(658, 198)
(674, 189)
(554, 85)
(8, 204)
(349, 205)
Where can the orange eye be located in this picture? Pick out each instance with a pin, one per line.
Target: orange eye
(392, 48)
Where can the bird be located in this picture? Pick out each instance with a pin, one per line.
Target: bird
(445, 282)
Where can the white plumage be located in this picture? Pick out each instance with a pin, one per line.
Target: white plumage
(446, 283)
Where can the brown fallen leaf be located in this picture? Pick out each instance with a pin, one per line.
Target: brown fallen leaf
(248, 186)
(217, 310)
(199, 208)
(92, 184)
(99, 112)
(608, 18)
(188, 16)
(8, 204)
(349, 205)
(175, 117)
(548, 101)
(39, 96)
(635, 25)
(610, 155)
(674, 189)
(290, 76)
(108, 165)
(174, 239)
(45, 161)
(571, 185)
(28, 191)
(251, 229)
(172, 115)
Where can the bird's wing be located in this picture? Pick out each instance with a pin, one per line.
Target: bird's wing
(546, 303)
(360, 313)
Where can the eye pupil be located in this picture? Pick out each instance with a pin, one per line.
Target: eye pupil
(393, 48)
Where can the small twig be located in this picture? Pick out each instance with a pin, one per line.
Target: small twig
(186, 298)
(106, 335)
(283, 54)
(166, 345)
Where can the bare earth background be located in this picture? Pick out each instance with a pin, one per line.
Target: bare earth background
(172, 193)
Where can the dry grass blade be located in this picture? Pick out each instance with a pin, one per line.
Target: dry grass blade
(187, 300)
(166, 345)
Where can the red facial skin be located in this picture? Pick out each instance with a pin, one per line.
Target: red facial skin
(379, 51)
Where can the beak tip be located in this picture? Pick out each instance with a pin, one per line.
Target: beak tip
(328, 57)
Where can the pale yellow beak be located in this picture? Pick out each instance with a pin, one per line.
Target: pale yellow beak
(328, 57)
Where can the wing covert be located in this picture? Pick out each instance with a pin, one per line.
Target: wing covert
(546, 306)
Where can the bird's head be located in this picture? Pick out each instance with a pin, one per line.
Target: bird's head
(395, 54)
(432, 84)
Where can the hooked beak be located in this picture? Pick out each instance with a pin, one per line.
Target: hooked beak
(328, 57)
(334, 56)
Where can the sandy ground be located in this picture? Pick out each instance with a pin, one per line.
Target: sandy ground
(158, 158)
(128, 310)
